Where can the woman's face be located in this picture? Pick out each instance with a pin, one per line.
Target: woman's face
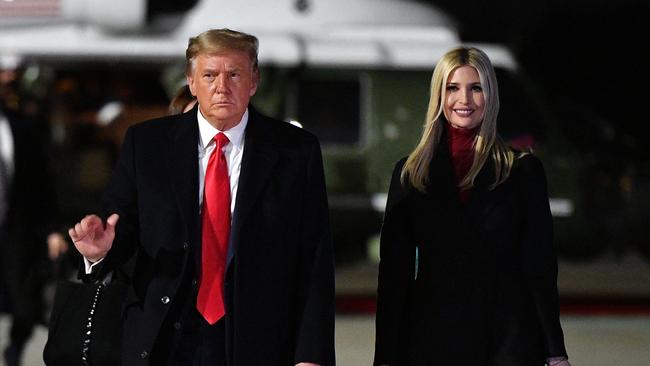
(465, 103)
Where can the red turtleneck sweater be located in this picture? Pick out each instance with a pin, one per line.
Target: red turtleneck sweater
(461, 149)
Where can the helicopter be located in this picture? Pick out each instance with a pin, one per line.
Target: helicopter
(356, 74)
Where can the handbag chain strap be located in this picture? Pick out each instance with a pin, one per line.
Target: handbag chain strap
(85, 350)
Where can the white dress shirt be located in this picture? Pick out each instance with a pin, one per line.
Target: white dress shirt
(6, 146)
(233, 152)
(6, 165)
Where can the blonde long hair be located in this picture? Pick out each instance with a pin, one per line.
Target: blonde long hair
(487, 144)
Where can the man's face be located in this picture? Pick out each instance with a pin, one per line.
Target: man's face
(223, 84)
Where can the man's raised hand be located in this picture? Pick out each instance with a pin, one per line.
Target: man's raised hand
(92, 238)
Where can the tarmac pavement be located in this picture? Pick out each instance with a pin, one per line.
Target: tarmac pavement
(591, 340)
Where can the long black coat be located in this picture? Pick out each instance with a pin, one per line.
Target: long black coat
(483, 288)
(279, 286)
(23, 248)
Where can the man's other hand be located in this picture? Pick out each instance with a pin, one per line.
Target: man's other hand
(56, 245)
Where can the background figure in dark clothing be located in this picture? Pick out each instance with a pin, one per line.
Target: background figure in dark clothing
(26, 217)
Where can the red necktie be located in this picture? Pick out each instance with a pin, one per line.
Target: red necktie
(215, 232)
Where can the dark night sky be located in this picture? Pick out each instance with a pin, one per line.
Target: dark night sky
(585, 56)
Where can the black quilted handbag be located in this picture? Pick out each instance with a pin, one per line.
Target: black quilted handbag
(86, 324)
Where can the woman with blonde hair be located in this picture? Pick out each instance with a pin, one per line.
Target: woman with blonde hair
(468, 272)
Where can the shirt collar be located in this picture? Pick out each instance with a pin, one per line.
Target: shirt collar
(235, 134)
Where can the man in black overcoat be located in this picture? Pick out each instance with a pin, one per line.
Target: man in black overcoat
(278, 286)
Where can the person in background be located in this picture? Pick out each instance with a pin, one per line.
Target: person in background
(468, 271)
(183, 101)
(225, 211)
(28, 242)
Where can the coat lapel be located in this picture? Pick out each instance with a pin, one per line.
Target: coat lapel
(442, 183)
(260, 156)
(471, 215)
(482, 200)
(444, 192)
(184, 169)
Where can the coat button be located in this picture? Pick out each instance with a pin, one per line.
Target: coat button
(177, 325)
(194, 282)
(144, 354)
(165, 300)
(186, 245)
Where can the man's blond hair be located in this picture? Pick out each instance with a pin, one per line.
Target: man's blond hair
(215, 41)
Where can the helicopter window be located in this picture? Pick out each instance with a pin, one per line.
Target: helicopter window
(330, 109)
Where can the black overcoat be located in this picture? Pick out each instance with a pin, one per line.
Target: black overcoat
(279, 286)
(482, 288)
(29, 219)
